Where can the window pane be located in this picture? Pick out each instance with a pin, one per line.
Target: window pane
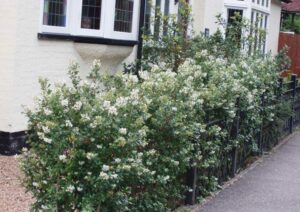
(166, 13)
(147, 24)
(91, 14)
(123, 15)
(55, 12)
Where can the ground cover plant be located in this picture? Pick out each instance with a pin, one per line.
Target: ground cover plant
(125, 142)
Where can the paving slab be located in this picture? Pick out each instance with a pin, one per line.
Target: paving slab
(272, 186)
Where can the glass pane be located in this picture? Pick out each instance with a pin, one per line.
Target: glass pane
(91, 14)
(147, 24)
(55, 13)
(123, 15)
(166, 13)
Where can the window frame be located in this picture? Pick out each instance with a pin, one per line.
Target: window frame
(172, 10)
(111, 17)
(77, 9)
(263, 23)
(73, 22)
(54, 29)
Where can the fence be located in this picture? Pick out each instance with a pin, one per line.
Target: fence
(293, 42)
(234, 160)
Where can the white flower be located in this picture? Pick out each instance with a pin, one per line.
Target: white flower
(65, 102)
(112, 110)
(152, 152)
(70, 188)
(176, 163)
(46, 129)
(142, 133)
(126, 167)
(96, 64)
(204, 53)
(166, 178)
(90, 155)
(144, 75)
(133, 78)
(35, 184)
(62, 157)
(85, 117)
(123, 131)
(48, 140)
(105, 168)
(106, 104)
(69, 124)
(44, 207)
(118, 160)
(104, 176)
(99, 146)
(47, 111)
(121, 101)
(79, 189)
(93, 125)
(114, 176)
(77, 105)
(134, 94)
(41, 135)
(81, 162)
(83, 83)
(174, 109)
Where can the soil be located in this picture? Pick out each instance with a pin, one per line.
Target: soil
(13, 197)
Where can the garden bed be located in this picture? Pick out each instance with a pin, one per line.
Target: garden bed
(12, 196)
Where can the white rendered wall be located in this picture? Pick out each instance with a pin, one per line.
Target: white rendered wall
(204, 13)
(24, 58)
(274, 27)
(7, 58)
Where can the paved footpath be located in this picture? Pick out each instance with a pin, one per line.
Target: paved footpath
(272, 186)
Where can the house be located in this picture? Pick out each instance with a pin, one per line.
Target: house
(265, 13)
(41, 37)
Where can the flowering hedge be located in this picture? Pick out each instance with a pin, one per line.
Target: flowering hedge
(116, 143)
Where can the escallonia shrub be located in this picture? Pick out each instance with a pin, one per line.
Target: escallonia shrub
(111, 143)
(116, 143)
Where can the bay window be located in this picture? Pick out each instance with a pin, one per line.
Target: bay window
(112, 19)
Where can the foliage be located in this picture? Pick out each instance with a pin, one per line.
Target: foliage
(119, 143)
(126, 145)
(287, 24)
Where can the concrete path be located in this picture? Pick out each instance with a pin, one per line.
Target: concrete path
(272, 186)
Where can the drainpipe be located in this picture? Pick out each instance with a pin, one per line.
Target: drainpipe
(141, 27)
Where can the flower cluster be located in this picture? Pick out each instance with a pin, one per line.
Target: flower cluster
(127, 144)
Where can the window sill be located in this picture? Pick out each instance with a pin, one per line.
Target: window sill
(83, 39)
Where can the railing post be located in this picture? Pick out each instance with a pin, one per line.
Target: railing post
(280, 89)
(293, 87)
(192, 184)
(260, 138)
(236, 133)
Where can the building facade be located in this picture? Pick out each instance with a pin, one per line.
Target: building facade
(39, 38)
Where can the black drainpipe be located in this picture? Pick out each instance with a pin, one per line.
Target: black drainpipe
(141, 26)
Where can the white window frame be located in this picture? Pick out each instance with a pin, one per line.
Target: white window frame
(54, 29)
(110, 18)
(77, 16)
(265, 26)
(73, 21)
